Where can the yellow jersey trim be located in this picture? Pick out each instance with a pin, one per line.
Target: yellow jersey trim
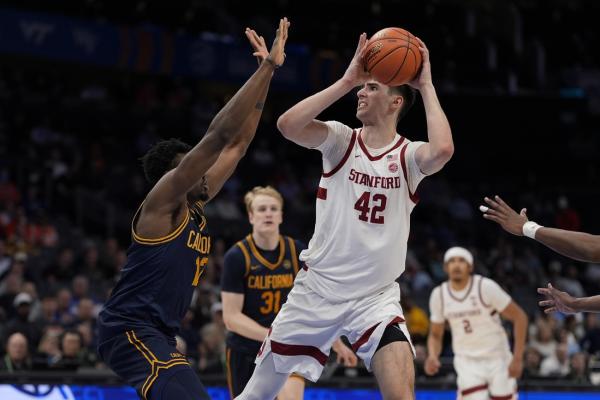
(246, 257)
(155, 364)
(163, 239)
(261, 259)
(294, 255)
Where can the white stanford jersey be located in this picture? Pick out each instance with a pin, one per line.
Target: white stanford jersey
(364, 202)
(473, 315)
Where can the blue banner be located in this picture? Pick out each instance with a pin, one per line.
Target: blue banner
(146, 49)
(95, 392)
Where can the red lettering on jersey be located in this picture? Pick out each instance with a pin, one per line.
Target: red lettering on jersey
(374, 181)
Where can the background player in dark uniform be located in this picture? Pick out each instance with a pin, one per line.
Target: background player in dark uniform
(258, 274)
(137, 325)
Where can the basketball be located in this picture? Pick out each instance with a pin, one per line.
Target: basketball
(392, 56)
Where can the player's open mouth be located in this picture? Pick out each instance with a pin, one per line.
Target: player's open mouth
(362, 104)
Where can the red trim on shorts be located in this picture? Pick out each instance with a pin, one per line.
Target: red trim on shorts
(298, 350)
(322, 193)
(480, 295)
(365, 336)
(413, 196)
(473, 389)
(506, 397)
(380, 156)
(343, 160)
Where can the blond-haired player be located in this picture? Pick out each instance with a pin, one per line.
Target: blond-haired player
(258, 274)
(365, 197)
(473, 305)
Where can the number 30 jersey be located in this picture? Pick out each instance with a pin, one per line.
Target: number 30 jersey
(473, 316)
(364, 201)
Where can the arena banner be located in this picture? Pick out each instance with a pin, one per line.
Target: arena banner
(96, 392)
(145, 49)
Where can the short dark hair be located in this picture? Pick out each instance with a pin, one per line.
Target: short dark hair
(409, 94)
(159, 159)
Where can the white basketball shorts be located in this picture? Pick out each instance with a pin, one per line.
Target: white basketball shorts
(301, 336)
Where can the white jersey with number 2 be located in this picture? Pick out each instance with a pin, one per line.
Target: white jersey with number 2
(473, 315)
(364, 202)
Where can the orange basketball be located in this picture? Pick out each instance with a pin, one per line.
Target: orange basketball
(392, 56)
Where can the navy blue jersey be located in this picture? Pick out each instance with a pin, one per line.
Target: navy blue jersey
(264, 278)
(159, 277)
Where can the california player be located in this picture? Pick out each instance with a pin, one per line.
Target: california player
(138, 323)
(258, 274)
(473, 305)
(358, 249)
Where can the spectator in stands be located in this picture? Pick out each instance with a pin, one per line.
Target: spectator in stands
(73, 355)
(591, 341)
(20, 322)
(49, 310)
(63, 268)
(65, 316)
(17, 354)
(9, 288)
(416, 319)
(211, 350)
(579, 369)
(556, 365)
(531, 365)
(48, 351)
(543, 341)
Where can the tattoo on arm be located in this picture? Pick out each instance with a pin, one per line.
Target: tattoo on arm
(260, 105)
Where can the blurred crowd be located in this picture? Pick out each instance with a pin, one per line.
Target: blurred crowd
(70, 180)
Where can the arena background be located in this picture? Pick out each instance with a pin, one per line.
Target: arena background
(86, 87)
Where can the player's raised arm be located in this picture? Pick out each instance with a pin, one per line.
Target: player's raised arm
(299, 123)
(577, 245)
(218, 174)
(434, 154)
(172, 188)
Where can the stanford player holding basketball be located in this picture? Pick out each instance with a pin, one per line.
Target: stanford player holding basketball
(365, 198)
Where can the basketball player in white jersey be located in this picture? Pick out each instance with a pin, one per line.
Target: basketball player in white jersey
(358, 249)
(473, 305)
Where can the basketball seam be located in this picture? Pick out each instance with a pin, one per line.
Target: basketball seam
(401, 65)
(385, 55)
(415, 57)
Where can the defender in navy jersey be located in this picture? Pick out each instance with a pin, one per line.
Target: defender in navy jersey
(170, 248)
(258, 274)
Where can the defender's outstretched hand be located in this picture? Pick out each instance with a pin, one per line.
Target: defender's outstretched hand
(277, 54)
(258, 44)
(557, 300)
(497, 210)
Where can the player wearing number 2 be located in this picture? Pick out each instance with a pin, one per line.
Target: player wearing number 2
(358, 249)
(473, 305)
(138, 324)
